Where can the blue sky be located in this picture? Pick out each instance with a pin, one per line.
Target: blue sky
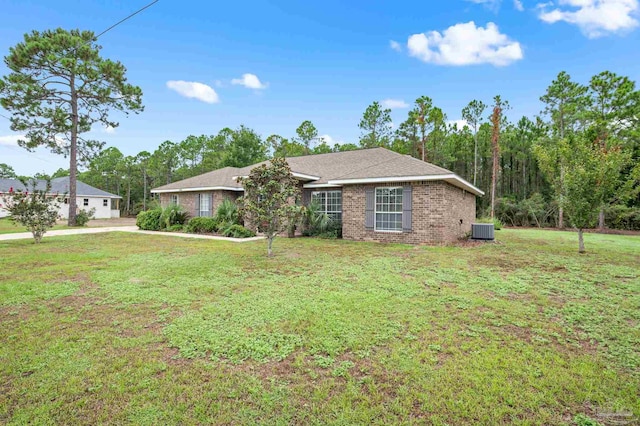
(271, 65)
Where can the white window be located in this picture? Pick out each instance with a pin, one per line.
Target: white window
(205, 205)
(105, 202)
(389, 209)
(85, 202)
(174, 199)
(330, 202)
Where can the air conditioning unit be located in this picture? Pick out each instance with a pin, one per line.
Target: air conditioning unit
(482, 231)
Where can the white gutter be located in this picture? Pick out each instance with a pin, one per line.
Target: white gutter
(294, 174)
(451, 178)
(320, 185)
(204, 188)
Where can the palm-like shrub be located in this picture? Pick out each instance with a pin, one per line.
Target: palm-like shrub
(227, 214)
(316, 221)
(173, 215)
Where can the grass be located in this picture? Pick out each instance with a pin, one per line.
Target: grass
(126, 328)
(8, 227)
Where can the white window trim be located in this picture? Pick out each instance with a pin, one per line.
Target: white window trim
(375, 211)
(83, 202)
(326, 201)
(105, 202)
(208, 210)
(177, 203)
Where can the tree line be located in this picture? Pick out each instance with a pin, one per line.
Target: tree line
(523, 166)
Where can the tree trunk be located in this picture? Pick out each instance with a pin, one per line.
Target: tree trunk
(560, 209)
(475, 155)
(601, 219)
(269, 243)
(73, 154)
(144, 197)
(580, 241)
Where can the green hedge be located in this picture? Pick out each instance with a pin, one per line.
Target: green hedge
(149, 220)
(238, 231)
(202, 225)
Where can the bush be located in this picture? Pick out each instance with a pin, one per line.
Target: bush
(623, 217)
(228, 214)
(238, 231)
(173, 215)
(497, 224)
(175, 228)
(202, 225)
(149, 220)
(83, 217)
(319, 224)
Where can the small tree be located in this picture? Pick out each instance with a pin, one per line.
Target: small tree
(591, 173)
(269, 192)
(37, 210)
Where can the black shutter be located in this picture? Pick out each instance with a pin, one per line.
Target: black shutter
(211, 204)
(197, 207)
(406, 208)
(370, 203)
(306, 197)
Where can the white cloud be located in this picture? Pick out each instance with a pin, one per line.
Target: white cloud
(489, 4)
(395, 45)
(595, 18)
(195, 90)
(10, 140)
(250, 81)
(465, 44)
(330, 140)
(460, 123)
(108, 129)
(394, 104)
(517, 4)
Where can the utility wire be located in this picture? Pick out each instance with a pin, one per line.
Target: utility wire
(128, 17)
(109, 29)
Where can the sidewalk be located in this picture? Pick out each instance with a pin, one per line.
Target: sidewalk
(131, 229)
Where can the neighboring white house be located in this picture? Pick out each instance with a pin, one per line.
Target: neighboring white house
(88, 197)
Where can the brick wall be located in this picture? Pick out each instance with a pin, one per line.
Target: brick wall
(188, 199)
(437, 208)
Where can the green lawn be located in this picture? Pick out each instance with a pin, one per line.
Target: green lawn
(125, 328)
(8, 227)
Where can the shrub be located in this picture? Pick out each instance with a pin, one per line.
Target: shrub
(317, 223)
(497, 224)
(623, 217)
(175, 228)
(149, 220)
(34, 210)
(238, 231)
(83, 217)
(227, 214)
(202, 225)
(173, 215)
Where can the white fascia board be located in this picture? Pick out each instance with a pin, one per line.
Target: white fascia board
(304, 176)
(450, 178)
(320, 185)
(294, 174)
(204, 188)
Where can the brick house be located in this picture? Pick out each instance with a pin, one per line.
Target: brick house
(377, 194)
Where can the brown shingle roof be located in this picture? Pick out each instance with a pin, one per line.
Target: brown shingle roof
(217, 178)
(377, 163)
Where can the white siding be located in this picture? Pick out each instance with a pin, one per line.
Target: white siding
(102, 212)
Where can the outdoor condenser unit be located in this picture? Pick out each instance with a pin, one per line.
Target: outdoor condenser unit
(482, 231)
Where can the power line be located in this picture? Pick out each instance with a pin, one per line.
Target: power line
(128, 17)
(109, 29)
